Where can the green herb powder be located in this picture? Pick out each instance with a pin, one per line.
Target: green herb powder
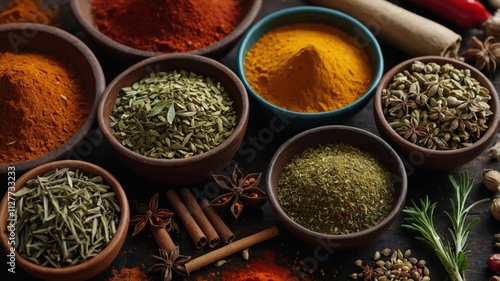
(335, 189)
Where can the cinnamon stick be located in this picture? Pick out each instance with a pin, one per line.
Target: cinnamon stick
(200, 217)
(220, 226)
(195, 232)
(162, 238)
(411, 33)
(230, 249)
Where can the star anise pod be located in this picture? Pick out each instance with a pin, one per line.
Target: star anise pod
(238, 191)
(152, 215)
(368, 273)
(485, 55)
(169, 262)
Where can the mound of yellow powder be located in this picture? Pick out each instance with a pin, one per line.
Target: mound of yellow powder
(308, 68)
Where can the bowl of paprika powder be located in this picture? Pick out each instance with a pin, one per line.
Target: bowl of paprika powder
(50, 85)
(134, 30)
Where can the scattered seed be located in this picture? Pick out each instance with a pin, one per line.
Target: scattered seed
(407, 253)
(399, 267)
(245, 254)
(386, 252)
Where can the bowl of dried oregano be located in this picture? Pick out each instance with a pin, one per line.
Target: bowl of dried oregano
(439, 113)
(336, 186)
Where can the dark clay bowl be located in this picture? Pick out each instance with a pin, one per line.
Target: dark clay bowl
(428, 159)
(336, 134)
(83, 14)
(89, 268)
(180, 171)
(30, 37)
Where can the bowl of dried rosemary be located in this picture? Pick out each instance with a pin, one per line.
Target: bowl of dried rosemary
(439, 113)
(175, 118)
(64, 220)
(336, 186)
(50, 85)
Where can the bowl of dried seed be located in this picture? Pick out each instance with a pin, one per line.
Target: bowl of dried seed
(64, 220)
(336, 186)
(175, 118)
(439, 113)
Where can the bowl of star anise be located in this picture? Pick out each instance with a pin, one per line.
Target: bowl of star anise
(439, 113)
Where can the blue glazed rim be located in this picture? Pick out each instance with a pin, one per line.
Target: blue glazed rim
(275, 20)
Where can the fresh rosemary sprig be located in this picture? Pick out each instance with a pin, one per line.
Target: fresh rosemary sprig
(452, 258)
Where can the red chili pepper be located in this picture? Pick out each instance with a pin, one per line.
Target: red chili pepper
(463, 13)
(493, 262)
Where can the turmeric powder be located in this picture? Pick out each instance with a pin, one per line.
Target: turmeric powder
(308, 67)
(29, 11)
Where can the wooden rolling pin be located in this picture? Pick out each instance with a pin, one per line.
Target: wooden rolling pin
(407, 31)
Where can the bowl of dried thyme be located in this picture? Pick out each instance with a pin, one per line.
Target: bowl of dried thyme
(336, 186)
(439, 113)
(175, 118)
(207, 28)
(309, 66)
(64, 220)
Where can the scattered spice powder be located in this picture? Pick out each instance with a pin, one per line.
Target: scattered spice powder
(42, 104)
(30, 11)
(265, 267)
(130, 274)
(166, 26)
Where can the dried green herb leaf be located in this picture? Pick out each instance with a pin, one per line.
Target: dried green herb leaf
(171, 114)
(159, 107)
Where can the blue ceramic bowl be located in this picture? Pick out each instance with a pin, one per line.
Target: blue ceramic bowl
(308, 14)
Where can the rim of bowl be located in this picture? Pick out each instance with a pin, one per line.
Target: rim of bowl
(100, 85)
(121, 229)
(232, 36)
(386, 222)
(378, 70)
(377, 104)
(240, 126)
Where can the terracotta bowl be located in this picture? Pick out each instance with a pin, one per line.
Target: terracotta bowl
(29, 37)
(83, 14)
(177, 171)
(298, 121)
(336, 134)
(429, 159)
(89, 268)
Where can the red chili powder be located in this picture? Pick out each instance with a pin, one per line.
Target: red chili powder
(130, 274)
(166, 26)
(264, 267)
